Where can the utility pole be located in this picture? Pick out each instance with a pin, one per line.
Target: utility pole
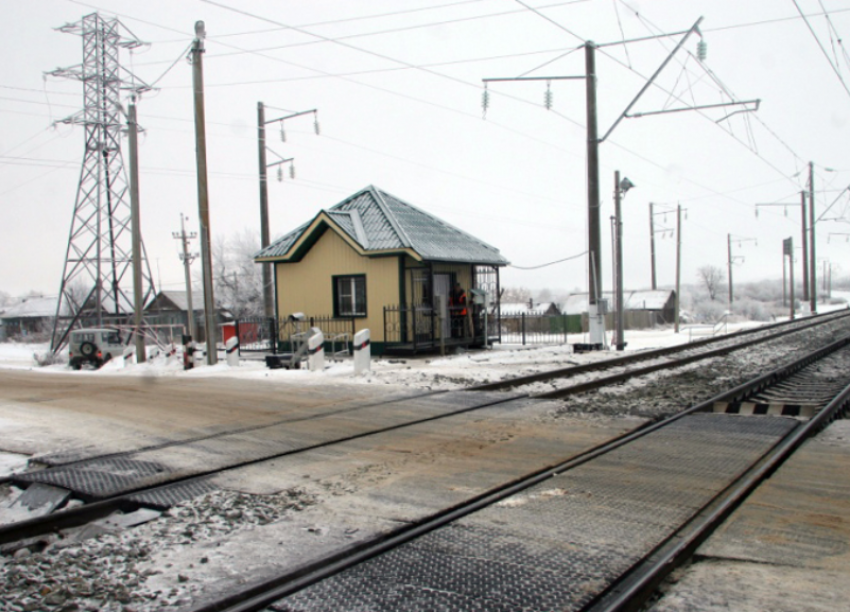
(788, 251)
(805, 247)
(678, 262)
(596, 314)
(187, 258)
(265, 237)
(813, 294)
(731, 260)
(784, 279)
(265, 232)
(595, 310)
(203, 195)
(620, 189)
(138, 302)
(729, 265)
(652, 246)
(652, 231)
(804, 237)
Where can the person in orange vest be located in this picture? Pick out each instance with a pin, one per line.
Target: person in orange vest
(457, 304)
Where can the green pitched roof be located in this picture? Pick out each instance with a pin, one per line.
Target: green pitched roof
(378, 221)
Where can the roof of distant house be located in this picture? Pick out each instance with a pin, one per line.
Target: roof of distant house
(525, 308)
(30, 307)
(180, 299)
(376, 222)
(651, 299)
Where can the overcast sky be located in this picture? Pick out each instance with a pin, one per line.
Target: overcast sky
(398, 88)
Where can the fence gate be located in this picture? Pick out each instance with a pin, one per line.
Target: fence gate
(257, 334)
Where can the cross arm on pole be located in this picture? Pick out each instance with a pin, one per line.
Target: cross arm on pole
(292, 116)
(694, 28)
(701, 107)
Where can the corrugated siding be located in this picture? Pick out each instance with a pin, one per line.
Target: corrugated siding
(308, 287)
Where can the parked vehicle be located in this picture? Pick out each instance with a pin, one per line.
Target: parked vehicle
(94, 346)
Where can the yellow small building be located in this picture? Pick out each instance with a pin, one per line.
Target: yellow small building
(374, 261)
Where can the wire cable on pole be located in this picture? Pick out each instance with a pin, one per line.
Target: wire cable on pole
(551, 263)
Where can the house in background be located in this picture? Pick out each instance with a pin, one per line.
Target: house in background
(377, 262)
(29, 318)
(170, 308)
(643, 309)
(529, 308)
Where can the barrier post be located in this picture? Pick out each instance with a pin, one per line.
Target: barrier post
(129, 352)
(231, 348)
(362, 352)
(316, 350)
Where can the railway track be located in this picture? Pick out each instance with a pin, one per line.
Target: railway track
(128, 481)
(596, 532)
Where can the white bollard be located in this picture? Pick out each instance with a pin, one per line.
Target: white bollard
(232, 350)
(316, 350)
(362, 352)
(129, 353)
(199, 356)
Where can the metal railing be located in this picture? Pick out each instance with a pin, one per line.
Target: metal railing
(270, 334)
(523, 328)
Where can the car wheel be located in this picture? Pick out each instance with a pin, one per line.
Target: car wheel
(87, 349)
(75, 364)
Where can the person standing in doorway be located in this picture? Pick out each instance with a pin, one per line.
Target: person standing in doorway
(457, 304)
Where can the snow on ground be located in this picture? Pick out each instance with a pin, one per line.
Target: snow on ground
(430, 372)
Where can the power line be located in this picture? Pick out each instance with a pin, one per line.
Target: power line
(347, 19)
(826, 55)
(551, 263)
(407, 28)
(650, 26)
(323, 75)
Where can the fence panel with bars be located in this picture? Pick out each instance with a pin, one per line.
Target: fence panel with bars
(270, 334)
(524, 328)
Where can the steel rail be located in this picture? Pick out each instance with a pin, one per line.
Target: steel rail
(653, 353)
(63, 519)
(637, 586)
(256, 597)
(514, 382)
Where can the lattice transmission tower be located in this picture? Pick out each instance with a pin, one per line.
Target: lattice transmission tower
(97, 281)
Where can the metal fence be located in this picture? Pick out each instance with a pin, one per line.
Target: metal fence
(270, 334)
(523, 328)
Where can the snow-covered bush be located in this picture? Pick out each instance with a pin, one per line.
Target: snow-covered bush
(709, 311)
(752, 310)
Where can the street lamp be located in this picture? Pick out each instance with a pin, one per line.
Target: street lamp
(620, 189)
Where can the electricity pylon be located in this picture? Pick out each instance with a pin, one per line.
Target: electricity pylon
(97, 280)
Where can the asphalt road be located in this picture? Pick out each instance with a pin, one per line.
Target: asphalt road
(42, 412)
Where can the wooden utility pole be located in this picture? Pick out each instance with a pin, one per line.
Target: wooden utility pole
(133, 130)
(265, 237)
(187, 258)
(265, 232)
(211, 337)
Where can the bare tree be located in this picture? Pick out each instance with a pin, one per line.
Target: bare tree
(711, 277)
(238, 280)
(515, 295)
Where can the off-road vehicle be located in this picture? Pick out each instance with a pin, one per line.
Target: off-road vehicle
(95, 346)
